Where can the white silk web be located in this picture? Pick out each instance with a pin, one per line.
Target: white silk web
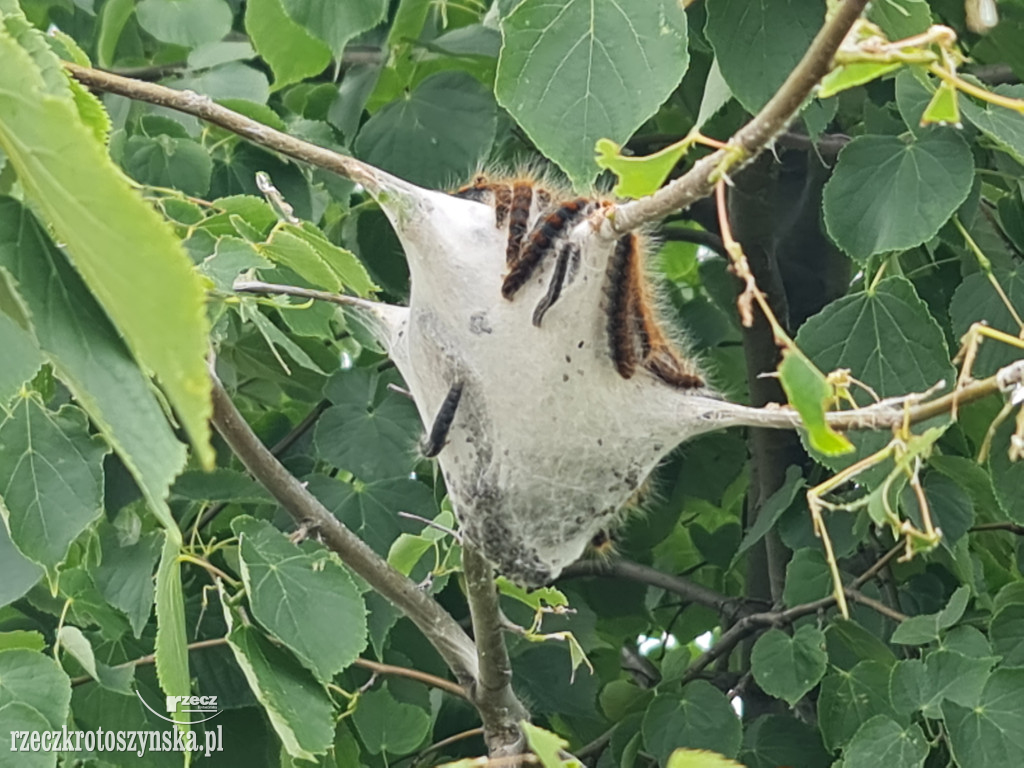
(548, 440)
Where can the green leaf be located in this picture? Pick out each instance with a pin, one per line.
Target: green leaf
(976, 300)
(1003, 126)
(775, 37)
(882, 741)
(336, 23)
(92, 112)
(231, 256)
(298, 707)
(127, 255)
(371, 509)
(21, 638)
(389, 725)
(952, 676)
(16, 717)
(220, 52)
(117, 679)
(219, 485)
(951, 509)
(574, 72)
(231, 84)
(282, 584)
(185, 22)
(547, 746)
(900, 18)
(699, 758)
(1007, 633)
(408, 549)
(944, 108)
(890, 193)
(788, 667)
(51, 479)
(809, 393)
(439, 132)
(918, 630)
(171, 637)
(254, 211)
(164, 161)
(86, 606)
(909, 686)
(848, 699)
(992, 732)
(773, 740)
(37, 682)
(325, 265)
(291, 52)
(772, 509)
(887, 338)
(21, 357)
(113, 16)
(125, 575)
(851, 75)
(849, 643)
(638, 176)
(373, 442)
(92, 361)
(717, 547)
(701, 718)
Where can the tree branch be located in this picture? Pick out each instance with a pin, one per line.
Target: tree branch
(644, 574)
(886, 414)
(204, 108)
(493, 697)
(1015, 528)
(413, 674)
(440, 629)
(752, 138)
(757, 621)
(374, 666)
(256, 286)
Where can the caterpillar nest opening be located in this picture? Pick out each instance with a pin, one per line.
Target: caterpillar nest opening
(545, 384)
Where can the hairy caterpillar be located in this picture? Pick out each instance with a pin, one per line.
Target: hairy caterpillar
(570, 390)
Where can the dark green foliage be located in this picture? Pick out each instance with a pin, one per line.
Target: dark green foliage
(879, 248)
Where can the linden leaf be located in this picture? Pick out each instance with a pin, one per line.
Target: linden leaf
(639, 176)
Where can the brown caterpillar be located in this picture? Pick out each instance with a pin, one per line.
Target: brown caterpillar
(635, 336)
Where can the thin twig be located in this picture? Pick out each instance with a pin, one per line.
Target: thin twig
(150, 658)
(644, 574)
(1014, 528)
(374, 666)
(440, 629)
(875, 605)
(757, 621)
(453, 739)
(696, 236)
(206, 109)
(256, 286)
(492, 695)
(413, 674)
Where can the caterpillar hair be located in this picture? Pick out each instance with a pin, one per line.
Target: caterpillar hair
(569, 252)
(620, 305)
(603, 544)
(435, 441)
(540, 241)
(478, 190)
(502, 204)
(518, 219)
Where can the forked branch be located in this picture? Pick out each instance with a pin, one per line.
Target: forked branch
(443, 632)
